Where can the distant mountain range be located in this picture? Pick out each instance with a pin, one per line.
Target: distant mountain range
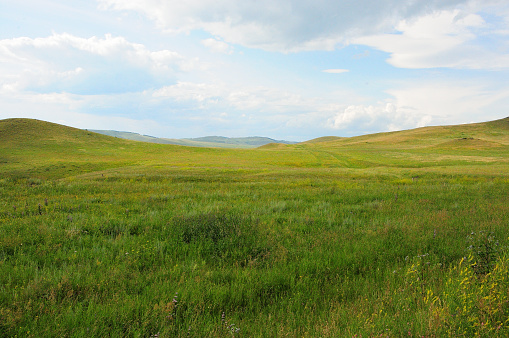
(208, 141)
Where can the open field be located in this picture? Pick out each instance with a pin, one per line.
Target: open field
(393, 234)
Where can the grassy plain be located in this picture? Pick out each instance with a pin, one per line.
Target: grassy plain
(393, 234)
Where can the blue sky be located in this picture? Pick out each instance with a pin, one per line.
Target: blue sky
(291, 70)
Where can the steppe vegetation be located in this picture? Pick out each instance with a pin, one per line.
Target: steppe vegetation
(393, 234)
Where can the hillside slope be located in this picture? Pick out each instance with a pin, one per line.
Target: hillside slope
(493, 131)
(32, 148)
(20, 131)
(468, 144)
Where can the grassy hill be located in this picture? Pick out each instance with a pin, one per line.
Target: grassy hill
(324, 139)
(392, 234)
(495, 131)
(51, 149)
(42, 149)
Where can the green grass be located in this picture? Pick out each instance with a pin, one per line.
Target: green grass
(397, 234)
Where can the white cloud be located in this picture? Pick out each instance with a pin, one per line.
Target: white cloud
(217, 46)
(196, 109)
(77, 111)
(419, 105)
(244, 98)
(448, 103)
(286, 25)
(413, 104)
(448, 38)
(63, 62)
(363, 117)
(335, 71)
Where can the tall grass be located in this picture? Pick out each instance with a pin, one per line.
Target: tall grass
(301, 253)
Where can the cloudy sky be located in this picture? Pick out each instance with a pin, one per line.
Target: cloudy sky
(286, 69)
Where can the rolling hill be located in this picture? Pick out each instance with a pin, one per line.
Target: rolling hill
(208, 141)
(496, 132)
(32, 148)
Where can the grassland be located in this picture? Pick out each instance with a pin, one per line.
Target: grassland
(392, 234)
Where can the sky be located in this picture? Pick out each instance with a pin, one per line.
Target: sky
(285, 69)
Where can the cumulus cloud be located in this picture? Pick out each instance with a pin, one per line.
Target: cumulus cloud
(416, 34)
(286, 25)
(383, 116)
(447, 103)
(63, 62)
(420, 105)
(447, 38)
(189, 109)
(413, 104)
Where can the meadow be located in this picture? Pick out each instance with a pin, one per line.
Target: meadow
(393, 234)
